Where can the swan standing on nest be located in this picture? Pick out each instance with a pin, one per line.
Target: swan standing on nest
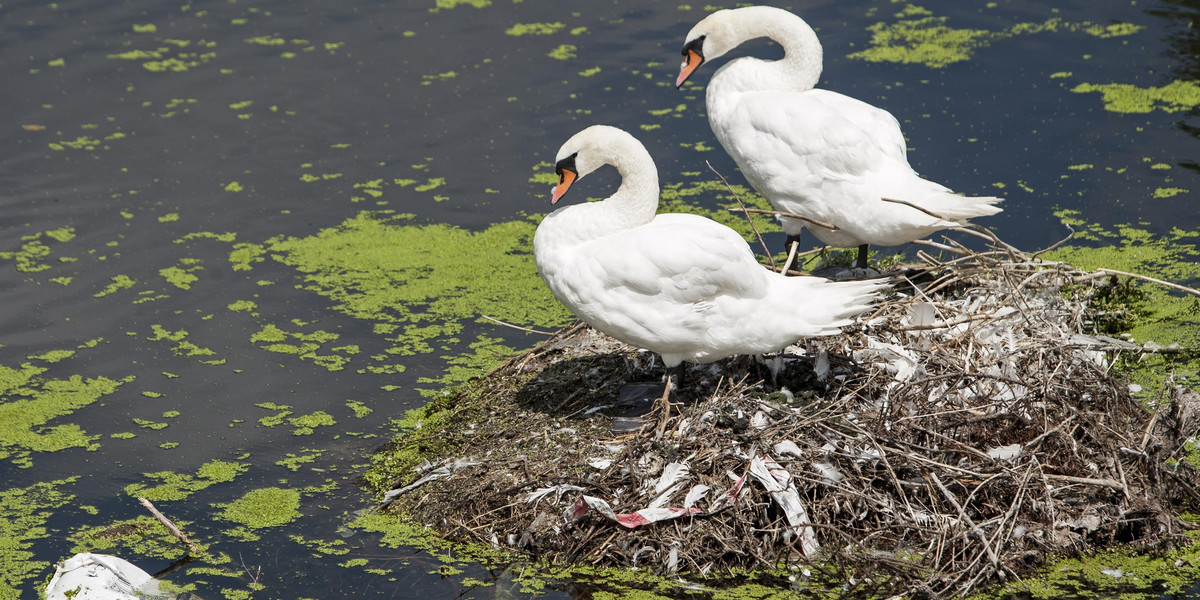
(811, 152)
(681, 285)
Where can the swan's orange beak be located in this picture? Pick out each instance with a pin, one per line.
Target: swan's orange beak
(565, 178)
(691, 61)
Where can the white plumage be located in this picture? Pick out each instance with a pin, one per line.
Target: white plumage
(681, 285)
(813, 152)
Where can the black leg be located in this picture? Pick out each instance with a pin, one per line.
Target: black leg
(676, 373)
(791, 239)
(862, 257)
(664, 414)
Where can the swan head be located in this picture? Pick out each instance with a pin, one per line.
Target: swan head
(591, 149)
(724, 30)
(712, 37)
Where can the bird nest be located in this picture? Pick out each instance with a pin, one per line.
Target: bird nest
(964, 432)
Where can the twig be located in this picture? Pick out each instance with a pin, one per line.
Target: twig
(499, 322)
(1108, 483)
(1175, 286)
(798, 256)
(254, 585)
(946, 324)
(560, 334)
(962, 512)
(780, 213)
(754, 228)
(988, 234)
(1056, 244)
(924, 210)
(191, 546)
(944, 247)
(787, 264)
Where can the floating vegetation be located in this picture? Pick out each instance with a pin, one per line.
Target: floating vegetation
(377, 268)
(259, 509)
(1125, 98)
(178, 486)
(142, 536)
(29, 259)
(306, 424)
(920, 37)
(183, 347)
(917, 36)
(449, 4)
(294, 461)
(119, 282)
(563, 52)
(521, 29)
(428, 79)
(23, 516)
(1143, 315)
(32, 402)
(963, 434)
(182, 276)
(169, 57)
(273, 339)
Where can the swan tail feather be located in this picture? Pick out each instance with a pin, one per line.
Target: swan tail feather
(959, 209)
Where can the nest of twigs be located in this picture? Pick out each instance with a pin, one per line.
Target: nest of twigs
(958, 436)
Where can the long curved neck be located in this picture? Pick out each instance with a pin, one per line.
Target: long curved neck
(798, 70)
(636, 200)
(633, 204)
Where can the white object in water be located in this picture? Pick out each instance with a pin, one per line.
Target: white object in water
(88, 576)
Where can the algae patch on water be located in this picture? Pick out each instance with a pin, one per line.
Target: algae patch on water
(274, 339)
(170, 55)
(183, 275)
(34, 251)
(259, 509)
(307, 424)
(418, 284)
(1126, 98)
(142, 536)
(178, 486)
(1113, 574)
(182, 347)
(23, 516)
(1143, 313)
(28, 402)
(450, 4)
(920, 37)
(521, 29)
(563, 52)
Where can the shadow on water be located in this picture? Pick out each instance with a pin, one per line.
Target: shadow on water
(159, 336)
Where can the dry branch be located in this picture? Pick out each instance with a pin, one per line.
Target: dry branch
(170, 525)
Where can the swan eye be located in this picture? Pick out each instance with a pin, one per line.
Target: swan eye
(697, 46)
(566, 164)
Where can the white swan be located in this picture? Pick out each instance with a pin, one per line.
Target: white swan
(812, 152)
(681, 285)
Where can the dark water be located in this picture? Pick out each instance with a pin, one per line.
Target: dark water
(132, 160)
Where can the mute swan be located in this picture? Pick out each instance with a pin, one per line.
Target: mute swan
(681, 285)
(812, 152)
